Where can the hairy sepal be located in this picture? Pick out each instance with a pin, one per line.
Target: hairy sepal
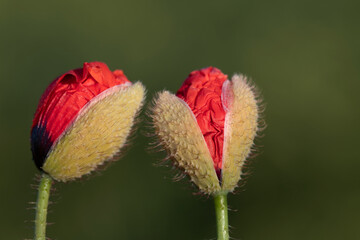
(241, 126)
(97, 134)
(178, 132)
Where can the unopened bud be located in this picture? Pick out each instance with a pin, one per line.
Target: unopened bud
(83, 120)
(208, 127)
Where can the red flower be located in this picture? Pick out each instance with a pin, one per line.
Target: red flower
(209, 127)
(64, 101)
(202, 92)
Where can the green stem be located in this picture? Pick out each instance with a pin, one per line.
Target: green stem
(41, 207)
(221, 210)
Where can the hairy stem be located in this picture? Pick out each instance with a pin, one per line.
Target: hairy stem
(41, 207)
(221, 210)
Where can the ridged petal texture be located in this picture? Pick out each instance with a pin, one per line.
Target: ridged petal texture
(62, 101)
(202, 92)
(228, 117)
(180, 134)
(83, 119)
(97, 134)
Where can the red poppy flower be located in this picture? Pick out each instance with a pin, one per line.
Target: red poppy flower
(202, 92)
(208, 127)
(74, 104)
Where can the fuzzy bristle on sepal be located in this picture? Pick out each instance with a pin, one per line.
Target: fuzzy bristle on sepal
(241, 126)
(97, 134)
(180, 135)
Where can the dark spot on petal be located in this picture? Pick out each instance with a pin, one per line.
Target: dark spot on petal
(219, 175)
(40, 145)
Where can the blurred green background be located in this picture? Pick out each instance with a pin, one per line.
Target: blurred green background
(303, 55)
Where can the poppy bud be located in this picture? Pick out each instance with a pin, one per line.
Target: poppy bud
(83, 119)
(208, 127)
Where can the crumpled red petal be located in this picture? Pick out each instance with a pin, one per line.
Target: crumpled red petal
(63, 100)
(202, 92)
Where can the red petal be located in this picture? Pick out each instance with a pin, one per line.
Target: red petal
(64, 98)
(202, 92)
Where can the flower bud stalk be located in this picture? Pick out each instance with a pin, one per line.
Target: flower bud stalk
(221, 210)
(41, 207)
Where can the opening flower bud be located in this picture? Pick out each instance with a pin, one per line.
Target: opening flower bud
(208, 127)
(83, 119)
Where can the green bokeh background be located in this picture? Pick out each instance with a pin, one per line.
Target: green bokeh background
(303, 55)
